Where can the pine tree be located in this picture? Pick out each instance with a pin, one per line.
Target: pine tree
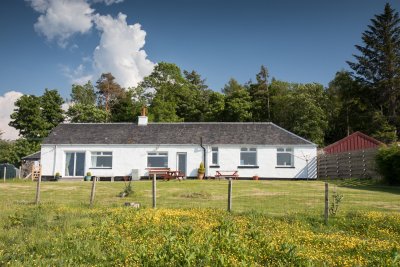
(378, 65)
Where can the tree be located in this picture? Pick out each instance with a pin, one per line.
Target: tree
(301, 110)
(260, 95)
(125, 109)
(51, 108)
(108, 91)
(19, 149)
(27, 118)
(378, 65)
(237, 102)
(83, 94)
(86, 113)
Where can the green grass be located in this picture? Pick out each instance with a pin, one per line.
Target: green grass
(270, 197)
(275, 223)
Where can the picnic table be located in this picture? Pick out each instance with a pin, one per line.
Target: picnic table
(174, 174)
(227, 174)
(161, 172)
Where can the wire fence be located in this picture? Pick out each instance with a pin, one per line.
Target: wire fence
(263, 196)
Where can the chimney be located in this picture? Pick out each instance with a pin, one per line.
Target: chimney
(142, 120)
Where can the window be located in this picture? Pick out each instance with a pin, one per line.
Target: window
(284, 157)
(74, 163)
(248, 156)
(101, 159)
(157, 159)
(214, 155)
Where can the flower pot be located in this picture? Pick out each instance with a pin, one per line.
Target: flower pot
(255, 177)
(200, 176)
(87, 178)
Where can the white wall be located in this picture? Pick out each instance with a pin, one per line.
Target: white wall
(128, 157)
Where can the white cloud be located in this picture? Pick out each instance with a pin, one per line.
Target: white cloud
(7, 107)
(120, 50)
(79, 75)
(108, 2)
(59, 20)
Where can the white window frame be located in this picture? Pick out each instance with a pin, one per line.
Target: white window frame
(286, 150)
(214, 150)
(248, 150)
(93, 154)
(156, 155)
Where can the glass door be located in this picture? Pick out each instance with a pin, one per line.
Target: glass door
(182, 159)
(74, 163)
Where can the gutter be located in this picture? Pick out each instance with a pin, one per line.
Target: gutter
(204, 155)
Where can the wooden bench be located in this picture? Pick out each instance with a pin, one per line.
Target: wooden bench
(161, 172)
(227, 174)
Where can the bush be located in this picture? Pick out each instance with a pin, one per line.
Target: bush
(388, 163)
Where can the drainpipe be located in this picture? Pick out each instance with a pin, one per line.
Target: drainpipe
(204, 155)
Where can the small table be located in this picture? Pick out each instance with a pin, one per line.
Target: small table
(174, 174)
(227, 174)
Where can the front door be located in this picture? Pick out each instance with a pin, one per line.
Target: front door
(182, 160)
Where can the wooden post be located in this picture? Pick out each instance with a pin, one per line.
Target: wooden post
(4, 174)
(37, 200)
(19, 173)
(154, 190)
(230, 195)
(326, 203)
(93, 191)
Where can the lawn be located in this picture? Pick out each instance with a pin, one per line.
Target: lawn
(276, 223)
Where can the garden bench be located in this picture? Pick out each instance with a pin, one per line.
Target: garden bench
(174, 174)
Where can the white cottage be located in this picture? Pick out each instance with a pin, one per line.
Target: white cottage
(120, 149)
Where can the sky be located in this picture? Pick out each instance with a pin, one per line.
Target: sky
(55, 43)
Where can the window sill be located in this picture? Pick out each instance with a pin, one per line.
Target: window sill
(100, 168)
(214, 166)
(285, 167)
(248, 167)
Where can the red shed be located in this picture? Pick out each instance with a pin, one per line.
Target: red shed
(355, 141)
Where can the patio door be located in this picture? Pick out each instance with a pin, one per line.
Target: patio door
(74, 164)
(182, 162)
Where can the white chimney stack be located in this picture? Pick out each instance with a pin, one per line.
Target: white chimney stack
(143, 120)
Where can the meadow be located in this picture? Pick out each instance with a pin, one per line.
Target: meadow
(274, 223)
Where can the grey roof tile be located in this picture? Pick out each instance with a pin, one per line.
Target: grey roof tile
(173, 133)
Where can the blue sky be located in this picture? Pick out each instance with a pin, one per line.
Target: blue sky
(298, 41)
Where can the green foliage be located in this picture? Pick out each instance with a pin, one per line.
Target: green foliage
(201, 169)
(378, 65)
(237, 102)
(335, 203)
(83, 94)
(52, 112)
(388, 163)
(27, 118)
(88, 174)
(261, 97)
(300, 109)
(14, 151)
(86, 113)
(124, 109)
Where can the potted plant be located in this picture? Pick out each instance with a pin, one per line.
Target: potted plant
(201, 171)
(88, 176)
(57, 176)
(255, 177)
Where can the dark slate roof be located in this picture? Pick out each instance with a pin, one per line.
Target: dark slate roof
(173, 133)
(32, 157)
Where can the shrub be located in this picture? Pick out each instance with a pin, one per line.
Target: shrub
(388, 163)
(201, 169)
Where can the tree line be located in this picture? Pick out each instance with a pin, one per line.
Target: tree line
(364, 99)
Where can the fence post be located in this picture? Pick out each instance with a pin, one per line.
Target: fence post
(92, 193)
(154, 190)
(37, 200)
(326, 203)
(4, 174)
(230, 195)
(19, 173)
